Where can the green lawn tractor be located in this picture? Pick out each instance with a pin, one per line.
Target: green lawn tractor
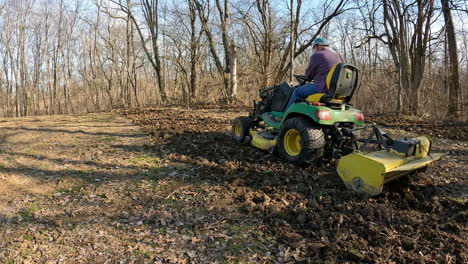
(326, 126)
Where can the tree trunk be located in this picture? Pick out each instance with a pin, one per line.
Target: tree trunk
(292, 39)
(454, 78)
(233, 72)
(193, 51)
(408, 42)
(225, 70)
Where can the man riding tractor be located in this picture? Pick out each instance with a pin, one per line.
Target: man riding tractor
(321, 61)
(316, 120)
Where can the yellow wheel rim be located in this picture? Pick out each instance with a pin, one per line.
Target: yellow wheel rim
(292, 142)
(237, 129)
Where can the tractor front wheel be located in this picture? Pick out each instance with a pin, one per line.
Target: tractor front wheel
(300, 142)
(241, 128)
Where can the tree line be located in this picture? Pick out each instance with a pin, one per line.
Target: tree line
(71, 57)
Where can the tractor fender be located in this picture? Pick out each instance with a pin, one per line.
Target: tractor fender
(329, 116)
(308, 111)
(296, 114)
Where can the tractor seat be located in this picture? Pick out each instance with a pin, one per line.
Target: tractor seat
(342, 81)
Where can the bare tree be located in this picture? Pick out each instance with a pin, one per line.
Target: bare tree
(284, 66)
(184, 34)
(454, 79)
(57, 57)
(194, 48)
(150, 13)
(408, 29)
(131, 84)
(225, 71)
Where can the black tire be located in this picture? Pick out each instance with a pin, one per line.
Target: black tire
(241, 127)
(306, 149)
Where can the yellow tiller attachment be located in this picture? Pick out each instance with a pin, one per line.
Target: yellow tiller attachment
(367, 173)
(259, 141)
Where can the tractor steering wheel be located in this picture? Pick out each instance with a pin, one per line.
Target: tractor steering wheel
(301, 79)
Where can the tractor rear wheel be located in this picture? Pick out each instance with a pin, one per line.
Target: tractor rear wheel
(300, 142)
(241, 128)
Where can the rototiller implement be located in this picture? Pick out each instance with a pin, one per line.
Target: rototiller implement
(327, 126)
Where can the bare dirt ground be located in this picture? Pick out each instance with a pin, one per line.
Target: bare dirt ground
(176, 189)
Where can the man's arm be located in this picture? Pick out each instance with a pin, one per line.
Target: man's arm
(311, 69)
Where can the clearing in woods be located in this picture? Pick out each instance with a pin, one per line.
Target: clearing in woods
(168, 185)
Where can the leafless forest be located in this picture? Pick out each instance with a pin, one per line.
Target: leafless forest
(71, 57)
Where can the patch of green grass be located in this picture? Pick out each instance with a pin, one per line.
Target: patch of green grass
(161, 230)
(142, 254)
(239, 230)
(28, 237)
(8, 261)
(461, 201)
(27, 213)
(235, 229)
(63, 190)
(146, 160)
(35, 206)
(76, 189)
(153, 181)
(262, 236)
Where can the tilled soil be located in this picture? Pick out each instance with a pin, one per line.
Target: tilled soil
(307, 214)
(95, 189)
